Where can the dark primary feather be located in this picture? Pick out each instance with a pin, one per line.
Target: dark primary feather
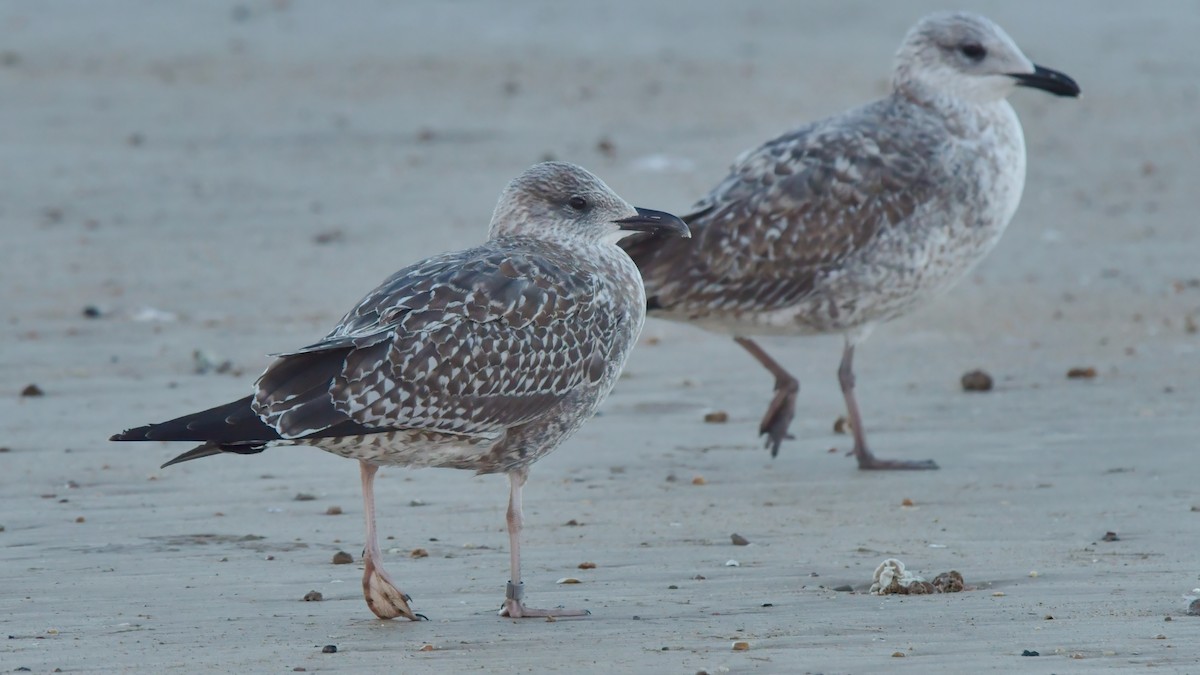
(233, 427)
(793, 209)
(230, 423)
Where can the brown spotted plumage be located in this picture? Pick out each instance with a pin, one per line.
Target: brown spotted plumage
(483, 359)
(859, 218)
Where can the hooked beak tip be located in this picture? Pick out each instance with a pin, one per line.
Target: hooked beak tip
(649, 220)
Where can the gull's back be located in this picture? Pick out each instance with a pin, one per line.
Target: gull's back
(855, 218)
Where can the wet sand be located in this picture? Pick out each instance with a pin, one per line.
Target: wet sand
(229, 178)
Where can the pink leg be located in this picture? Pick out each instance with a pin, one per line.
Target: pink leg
(513, 607)
(782, 408)
(866, 459)
(384, 599)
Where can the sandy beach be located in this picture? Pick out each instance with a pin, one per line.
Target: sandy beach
(187, 188)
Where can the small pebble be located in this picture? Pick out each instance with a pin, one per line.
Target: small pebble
(333, 511)
(732, 563)
(898, 655)
(976, 380)
(1029, 652)
(32, 390)
(998, 594)
(699, 480)
(741, 646)
(841, 425)
(1193, 609)
(80, 519)
(739, 540)
(418, 553)
(1081, 373)
(1110, 536)
(313, 596)
(568, 580)
(91, 312)
(426, 648)
(328, 236)
(587, 565)
(303, 497)
(906, 502)
(716, 417)
(572, 523)
(342, 558)
(329, 649)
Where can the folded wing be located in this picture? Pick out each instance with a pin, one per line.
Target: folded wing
(468, 343)
(790, 209)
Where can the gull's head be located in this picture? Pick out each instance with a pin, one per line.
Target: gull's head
(557, 200)
(968, 57)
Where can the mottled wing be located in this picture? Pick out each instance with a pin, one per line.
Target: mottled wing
(471, 343)
(791, 210)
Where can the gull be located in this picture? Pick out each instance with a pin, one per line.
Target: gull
(484, 359)
(859, 218)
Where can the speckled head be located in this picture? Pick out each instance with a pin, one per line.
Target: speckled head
(559, 200)
(968, 57)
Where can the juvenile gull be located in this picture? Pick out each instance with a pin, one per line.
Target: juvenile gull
(862, 217)
(483, 359)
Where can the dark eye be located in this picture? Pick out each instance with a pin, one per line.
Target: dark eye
(973, 51)
(577, 203)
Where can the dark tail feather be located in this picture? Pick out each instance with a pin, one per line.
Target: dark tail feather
(209, 449)
(230, 424)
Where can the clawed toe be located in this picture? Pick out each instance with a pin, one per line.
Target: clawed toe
(869, 462)
(385, 600)
(898, 465)
(778, 418)
(514, 609)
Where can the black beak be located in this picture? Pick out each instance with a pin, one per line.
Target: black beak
(651, 221)
(1047, 80)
